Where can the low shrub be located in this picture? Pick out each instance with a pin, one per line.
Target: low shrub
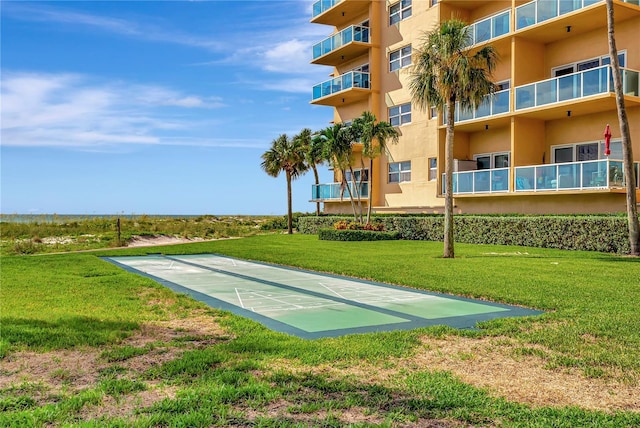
(603, 233)
(356, 235)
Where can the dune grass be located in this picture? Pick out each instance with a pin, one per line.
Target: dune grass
(241, 375)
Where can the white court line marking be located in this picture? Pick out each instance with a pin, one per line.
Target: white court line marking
(277, 300)
(333, 291)
(240, 299)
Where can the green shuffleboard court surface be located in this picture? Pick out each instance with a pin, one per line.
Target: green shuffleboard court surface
(309, 304)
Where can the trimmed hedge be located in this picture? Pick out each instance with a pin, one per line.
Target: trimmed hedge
(356, 235)
(590, 233)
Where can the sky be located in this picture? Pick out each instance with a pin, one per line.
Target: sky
(154, 107)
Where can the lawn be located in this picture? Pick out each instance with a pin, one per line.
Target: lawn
(84, 343)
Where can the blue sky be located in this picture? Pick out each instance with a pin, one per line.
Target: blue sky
(154, 107)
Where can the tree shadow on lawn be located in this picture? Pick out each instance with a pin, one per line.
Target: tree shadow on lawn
(65, 333)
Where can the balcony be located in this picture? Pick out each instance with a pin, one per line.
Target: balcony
(346, 45)
(344, 89)
(492, 105)
(334, 192)
(576, 86)
(586, 175)
(490, 28)
(479, 181)
(338, 12)
(560, 17)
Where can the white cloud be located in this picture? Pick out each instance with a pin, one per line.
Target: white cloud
(73, 110)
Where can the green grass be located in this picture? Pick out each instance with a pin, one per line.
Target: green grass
(77, 301)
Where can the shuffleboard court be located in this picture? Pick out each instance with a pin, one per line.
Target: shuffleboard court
(310, 304)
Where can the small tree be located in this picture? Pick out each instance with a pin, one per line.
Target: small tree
(445, 72)
(373, 137)
(627, 152)
(285, 155)
(336, 142)
(313, 155)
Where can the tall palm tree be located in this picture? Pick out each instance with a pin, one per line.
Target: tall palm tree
(445, 72)
(313, 155)
(369, 132)
(627, 152)
(285, 155)
(336, 142)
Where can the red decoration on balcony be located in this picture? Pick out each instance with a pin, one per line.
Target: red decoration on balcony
(607, 140)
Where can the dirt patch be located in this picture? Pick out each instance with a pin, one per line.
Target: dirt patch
(152, 240)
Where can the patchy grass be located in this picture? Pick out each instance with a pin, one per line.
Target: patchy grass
(88, 344)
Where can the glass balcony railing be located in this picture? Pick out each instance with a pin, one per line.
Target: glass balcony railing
(492, 105)
(321, 6)
(596, 174)
(572, 86)
(479, 181)
(354, 33)
(353, 79)
(335, 191)
(489, 28)
(539, 11)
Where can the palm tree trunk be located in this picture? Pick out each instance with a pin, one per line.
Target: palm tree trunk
(346, 184)
(289, 213)
(370, 178)
(317, 178)
(627, 152)
(448, 176)
(357, 194)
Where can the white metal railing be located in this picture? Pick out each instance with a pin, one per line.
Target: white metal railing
(584, 175)
(321, 6)
(352, 79)
(494, 104)
(479, 181)
(354, 33)
(489, 28)
(572, 86)
(336, 191)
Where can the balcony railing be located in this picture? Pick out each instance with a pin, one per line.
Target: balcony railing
(585, 175)
(539, 11)
(335, 191)
(492, 105)
(489, 28)
(479, 181)
(354, 33)
(322, 6)
(572, 86)
(353, 79)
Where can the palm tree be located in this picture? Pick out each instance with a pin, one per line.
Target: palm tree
(285, 155)
(369, 132)
(336, 143)
(312, 154)
(627, 152)
(445, 72)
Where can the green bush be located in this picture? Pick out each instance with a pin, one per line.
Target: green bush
(603, 233)
(356, 235)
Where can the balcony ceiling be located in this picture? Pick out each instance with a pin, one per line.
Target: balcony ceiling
(480, 124)
(580, 21)
(463, 4)
(343, 54)
(342, 13)
(578, 107)
(342, 98)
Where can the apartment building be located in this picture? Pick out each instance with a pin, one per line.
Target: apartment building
(536, 146)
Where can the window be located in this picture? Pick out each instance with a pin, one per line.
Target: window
(400, 115)
(400, 58)
(433, 169)
(585, 152)
(357, 174)
(492, 160)
(399, 172)
(399, 11)
(434, 2)
(587, 65)
(433, 112)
